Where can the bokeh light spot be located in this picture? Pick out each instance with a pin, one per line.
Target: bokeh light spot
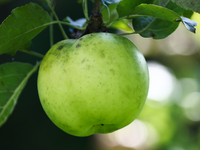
(162, 82)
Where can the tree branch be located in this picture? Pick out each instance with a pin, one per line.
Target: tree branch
(96, 22)
(96, 7)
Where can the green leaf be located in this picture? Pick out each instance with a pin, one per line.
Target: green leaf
(193, 5)
(155, 28)
(26, 46)
(113, 13)
(157, 12)
(21, 26)
(127, 7)
(160, 24)
(188, 13)
(122, 24)
(13, 78)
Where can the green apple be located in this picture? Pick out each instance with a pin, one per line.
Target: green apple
(96, 84)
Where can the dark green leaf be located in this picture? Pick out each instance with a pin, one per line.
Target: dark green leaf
(26, 46)
(193, 5)
(188, 13)
(21, 26)
(157, 12)
(127, 7)
(13, 78)
(152, 27)
(160, 24)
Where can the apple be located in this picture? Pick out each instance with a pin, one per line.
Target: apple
(95, 84)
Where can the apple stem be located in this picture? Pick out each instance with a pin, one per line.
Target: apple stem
(95, 23)
(96, 7)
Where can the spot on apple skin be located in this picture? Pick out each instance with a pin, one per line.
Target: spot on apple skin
(102, 124)
(78, 45)
(107, 90)
(60, 47)
(112, 71)
(102, 54)
(83, 61)
(88, 67)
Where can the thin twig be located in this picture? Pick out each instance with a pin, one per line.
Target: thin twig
(85, 10)
(51, 33)
(32, 53)
(56, 17)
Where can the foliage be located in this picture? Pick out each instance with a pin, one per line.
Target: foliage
(155, 19)
(13, 78)
(189, 4)
(21, 27)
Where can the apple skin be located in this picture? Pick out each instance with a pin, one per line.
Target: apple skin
(96, 84)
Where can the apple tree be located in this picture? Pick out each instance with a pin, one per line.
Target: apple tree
(155, 19)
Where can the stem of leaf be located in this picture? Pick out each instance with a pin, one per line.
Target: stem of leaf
(56, 17)
(32, 53)
(51, 33)
(85, 10)
(108, 10)
(96, 7)
(95, 23)
(63, 22)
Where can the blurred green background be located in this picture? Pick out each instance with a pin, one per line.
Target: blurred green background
(170, 119)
